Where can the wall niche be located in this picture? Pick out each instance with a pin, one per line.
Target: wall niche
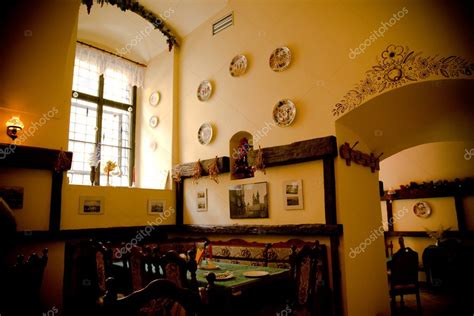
(240, 144)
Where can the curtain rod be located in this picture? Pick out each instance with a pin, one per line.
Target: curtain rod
(117, 55)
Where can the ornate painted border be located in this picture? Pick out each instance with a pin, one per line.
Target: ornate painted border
(398, 66)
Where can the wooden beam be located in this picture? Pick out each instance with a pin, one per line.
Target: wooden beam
(303, 151)
(30, 157)
(300, 230)
(460, 213)
(389, 215)
(160, 232)
(187, 169)
(451, 234)
(329, 190)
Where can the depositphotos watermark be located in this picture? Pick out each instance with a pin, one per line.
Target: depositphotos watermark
(53, 311)
(259, 134)
(376, 233)
(28, 132)
(140, 36)
(377, 33)
(143, 233)
(469, 153)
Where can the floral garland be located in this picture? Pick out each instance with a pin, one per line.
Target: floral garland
(136, 7)
(397, 66)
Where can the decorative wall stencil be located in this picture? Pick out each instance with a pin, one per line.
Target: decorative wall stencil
(349, 154)
(398, 66)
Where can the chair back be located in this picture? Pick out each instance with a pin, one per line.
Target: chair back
(25, 282)
(303, 270)
(174, 268)
(404, 267)
(157, 296)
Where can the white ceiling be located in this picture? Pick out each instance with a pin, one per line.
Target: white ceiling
(112, 29)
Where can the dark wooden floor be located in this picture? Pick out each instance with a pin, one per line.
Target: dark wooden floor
(437, 304)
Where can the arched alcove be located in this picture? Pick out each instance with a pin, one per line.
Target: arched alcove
(415, 114)
(239, 146)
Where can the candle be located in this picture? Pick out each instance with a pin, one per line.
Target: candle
(210, 251)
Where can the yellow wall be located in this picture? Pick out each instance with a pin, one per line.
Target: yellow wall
(443, 213)
(123, 207)
(36, 186)
(362, 247)
(311, 173)
(427, 162)
(154, 165)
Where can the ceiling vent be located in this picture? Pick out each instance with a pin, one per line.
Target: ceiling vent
(223, 23)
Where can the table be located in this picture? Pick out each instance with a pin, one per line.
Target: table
(237, 296)
(240, 282)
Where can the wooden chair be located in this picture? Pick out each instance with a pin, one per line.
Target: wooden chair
(25, 281)
(404, 277)
(157, 297)
(310, 280)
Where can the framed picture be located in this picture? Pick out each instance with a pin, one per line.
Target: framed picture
(293, 195)
(201, 200)
(156, 206)
(249, 200)
(13, 196)
(91, 205)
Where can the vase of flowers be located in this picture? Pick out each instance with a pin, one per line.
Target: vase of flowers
(109, 167)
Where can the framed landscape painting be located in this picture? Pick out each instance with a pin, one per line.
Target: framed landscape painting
(91, 205)
(156, 206)
(249, 200)
(293, 195)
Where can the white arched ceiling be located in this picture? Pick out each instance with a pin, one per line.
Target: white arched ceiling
(117, 31)
(425, 112)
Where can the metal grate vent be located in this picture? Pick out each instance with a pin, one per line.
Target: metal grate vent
(223, 23)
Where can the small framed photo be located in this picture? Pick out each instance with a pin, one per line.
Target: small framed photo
(293, 194)
(201, 200)
(156, 206)
(91, 205)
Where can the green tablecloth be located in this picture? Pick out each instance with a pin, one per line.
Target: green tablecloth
(238, 270)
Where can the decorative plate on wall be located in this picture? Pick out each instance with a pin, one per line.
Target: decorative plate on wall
(422, 209)
(284, 112)
(205, 134)
(238, 66)
(280, 59)
(154, 98)
(153, 121)
(204, 90)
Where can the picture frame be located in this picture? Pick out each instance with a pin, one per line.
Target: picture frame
(249, 200)
(156, 206)
(201, 200)
(91, 205)
(293, 195)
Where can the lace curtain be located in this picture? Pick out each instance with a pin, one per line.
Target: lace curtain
(103, 61)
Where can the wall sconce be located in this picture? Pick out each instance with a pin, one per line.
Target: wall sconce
(14, 125)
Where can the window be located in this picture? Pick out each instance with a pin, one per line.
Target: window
(101, 126)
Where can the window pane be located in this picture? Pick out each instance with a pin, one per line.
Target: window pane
(86, 78)
(117, 87)
(82, 131)
(115, 144)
